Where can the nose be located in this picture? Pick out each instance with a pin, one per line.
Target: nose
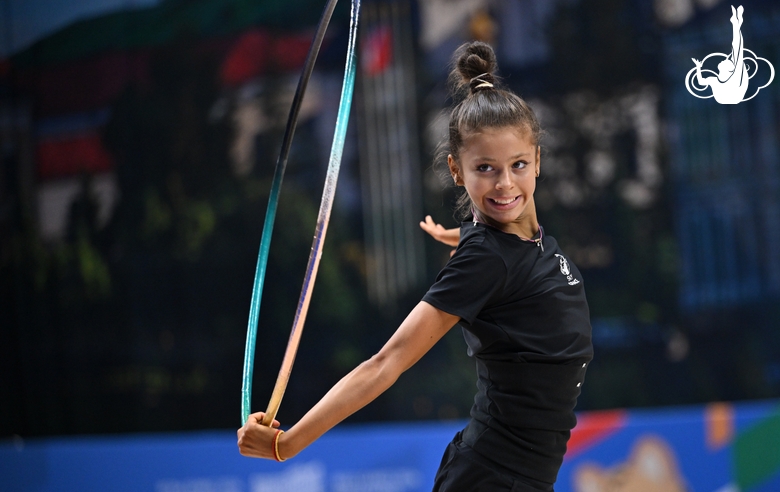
(504, 179)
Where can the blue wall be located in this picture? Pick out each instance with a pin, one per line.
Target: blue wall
(719, 447)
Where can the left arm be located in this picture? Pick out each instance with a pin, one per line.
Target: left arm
(450, 237)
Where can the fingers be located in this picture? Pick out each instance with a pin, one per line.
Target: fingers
(429, 226)
(258, 417)
(449, 237)
(254, 439)
(438, 228)
(432, 228)
(427, 223)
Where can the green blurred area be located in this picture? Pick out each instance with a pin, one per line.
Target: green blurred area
(139, 324)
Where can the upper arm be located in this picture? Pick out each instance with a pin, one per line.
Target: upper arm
(420, 331)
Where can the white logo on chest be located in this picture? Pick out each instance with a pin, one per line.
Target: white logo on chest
(566, 270)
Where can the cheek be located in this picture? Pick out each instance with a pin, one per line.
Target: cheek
(475, 186)
(528, 183)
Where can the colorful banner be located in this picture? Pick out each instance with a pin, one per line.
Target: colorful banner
(719, 447)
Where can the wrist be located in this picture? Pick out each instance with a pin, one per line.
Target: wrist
(275, 445)
(285, 446)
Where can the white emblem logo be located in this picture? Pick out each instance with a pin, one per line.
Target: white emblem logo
(565, 270)
(730, 84)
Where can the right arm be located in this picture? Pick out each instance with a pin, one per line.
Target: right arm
(424, 326)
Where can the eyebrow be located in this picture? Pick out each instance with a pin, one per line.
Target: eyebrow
(516, 156)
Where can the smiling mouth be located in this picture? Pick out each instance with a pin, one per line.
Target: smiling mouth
(504, 201)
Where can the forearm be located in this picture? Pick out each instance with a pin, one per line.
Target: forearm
(355, 390)
(423, 327)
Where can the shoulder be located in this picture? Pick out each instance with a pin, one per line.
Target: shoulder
(478, 241)
(474, 276)
(477, 255)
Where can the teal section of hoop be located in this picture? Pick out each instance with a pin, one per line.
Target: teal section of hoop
(273, 199)
(270, 215)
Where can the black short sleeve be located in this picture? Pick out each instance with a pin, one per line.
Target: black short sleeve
(473, 276)
(527, 324)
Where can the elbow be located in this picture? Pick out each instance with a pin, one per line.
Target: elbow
(383, 370)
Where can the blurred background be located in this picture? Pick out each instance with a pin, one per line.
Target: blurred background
(138, 141)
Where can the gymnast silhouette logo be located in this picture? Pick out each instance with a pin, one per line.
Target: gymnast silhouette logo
(730, 84)
(565, 270)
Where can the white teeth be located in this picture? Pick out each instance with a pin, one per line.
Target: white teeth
(504, 202)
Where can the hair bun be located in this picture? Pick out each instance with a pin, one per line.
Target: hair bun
(475, 66)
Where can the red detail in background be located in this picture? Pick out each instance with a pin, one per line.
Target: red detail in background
(68, 157)
(377, 52)
(258, 51)
(247, 58)
(593, 428)
(290, 51)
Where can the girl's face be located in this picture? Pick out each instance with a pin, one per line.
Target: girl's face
(498, 167)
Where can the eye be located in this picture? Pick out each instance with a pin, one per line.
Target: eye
(483, 168)
(520, 164)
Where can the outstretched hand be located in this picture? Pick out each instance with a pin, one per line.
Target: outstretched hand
(450, 237)
(696, 62)
(255, 440)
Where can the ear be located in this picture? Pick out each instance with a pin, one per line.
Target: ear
(538, 160)
(454, 170)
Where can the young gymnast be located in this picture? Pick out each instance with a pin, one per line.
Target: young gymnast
(519, 300)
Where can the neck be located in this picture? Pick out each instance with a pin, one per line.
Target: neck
(526, 226)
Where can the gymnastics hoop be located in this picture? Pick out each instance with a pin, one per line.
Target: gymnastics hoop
(326, 205)
(270, 213)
